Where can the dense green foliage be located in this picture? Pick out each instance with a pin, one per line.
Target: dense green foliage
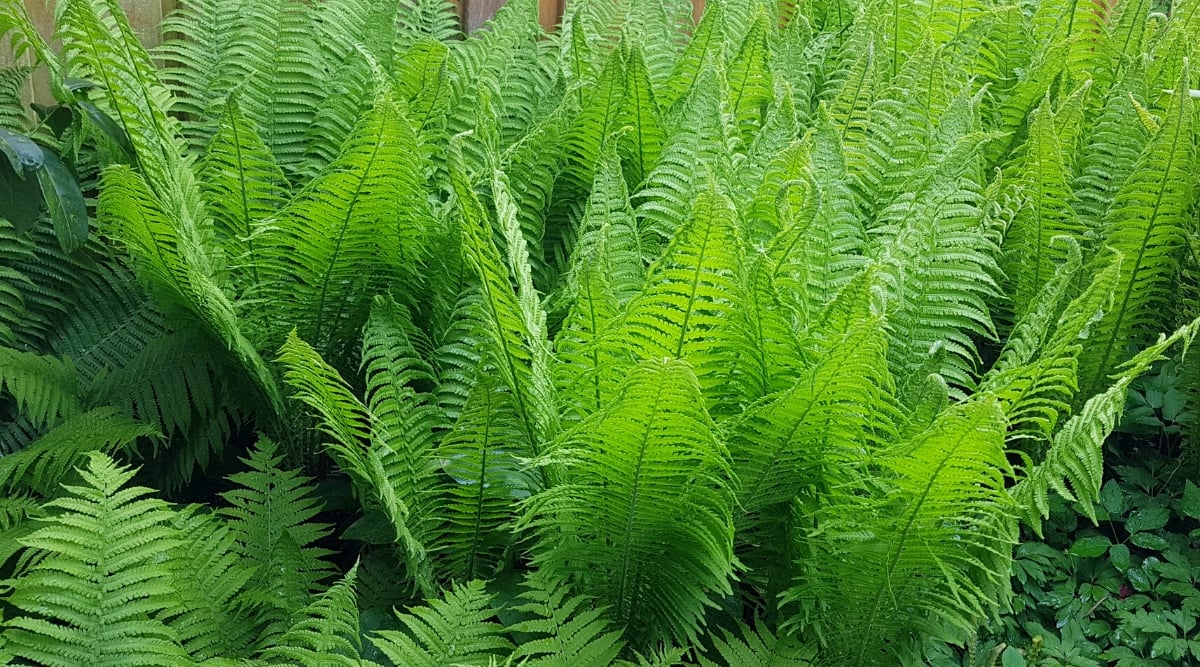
(749, 342)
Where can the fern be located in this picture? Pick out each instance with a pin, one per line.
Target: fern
(758, 647)
(95, 596)
(325, 632)
(454, 630)
(568, 631)
(643, 522)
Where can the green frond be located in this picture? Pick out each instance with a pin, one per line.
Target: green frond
(1042, 180)
(47, 461)
(764, 331)
(939, 266)
(171, 254)
(353, 232)
(757, 647)
(684, 310)
(643, 521)
(751, 87)
(696, 151)
(1074, 464)
(1112, 143)
(272, 59)
(44, 388)
(706, 46)
(811, 434)
(595, 124)
(210, 578)
(455, 630)
(426, 19)
(483, 455)
(19, 513)
(242, 185)
(196, 54)
(12, 83)
(423, 75)
(99, 44)
(270, 513)
(1147, 224)
(325, 632)
(513, 322)
(565, 630)
(95, 595)
(926, 555)
(642, 144)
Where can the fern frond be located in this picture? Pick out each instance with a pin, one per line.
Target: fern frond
(927, 555)
(567, 630)
(684, 310)
(455, 630)
(325, 632)
(95, 595)
(196, 54)
(46, 462)
(44, 388)
(352, 233)
(270, 513)
(1074, 465)
(757, 647)
(210, 579)
(643, 522)
(1147, 224)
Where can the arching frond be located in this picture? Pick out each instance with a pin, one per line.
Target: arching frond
(757, 647)
(568, 630)
(325, 632)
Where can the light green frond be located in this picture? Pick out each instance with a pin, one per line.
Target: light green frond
(46, 462)
(696, 151)
(928, 554)
(455, 630)
(642, 144)
(568, 630)
(1111, 144)
(326, 632)
(1074, 465)
(427, 19)
(685, 308)
(751, 87)
(643, 522)
(595, 124)
(171, 253)
(242, 185)
(838, 410)
(514, 322)
(353, 232)
(482, 455)
(1147, 224)
(195, 52)
(1042, 179)
(95, 595)
(706, 46)
(271, 513)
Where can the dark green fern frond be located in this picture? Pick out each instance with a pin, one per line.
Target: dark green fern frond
(567, 630)
(210, 578)
(325, 632)
(456, 630)
(95, 595)
(12, 83)
(643, 522)
(47, 461)
(270, 513)
(44, 388)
